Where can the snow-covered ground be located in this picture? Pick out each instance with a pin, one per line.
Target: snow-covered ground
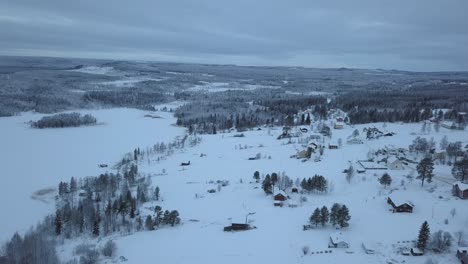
(97, 70)
(37, 159)
(130, 81)
(279, 236)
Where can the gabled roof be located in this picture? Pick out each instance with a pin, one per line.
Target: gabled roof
(337, 238)
(392, 159)
(399, 201)
(462, 186)
(278, 191)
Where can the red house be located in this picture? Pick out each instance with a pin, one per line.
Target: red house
(460, 189)
(280, 196)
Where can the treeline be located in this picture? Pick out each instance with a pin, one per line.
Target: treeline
(130, 97)
(64, 120)
(226, 110)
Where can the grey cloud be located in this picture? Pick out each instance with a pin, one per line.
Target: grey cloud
(414, 35)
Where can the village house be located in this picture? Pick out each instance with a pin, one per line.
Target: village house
(462, 255)
(460, 189)
(337, 241)
(332, 146)
(394, 163)
(370, 165)
(339, 125)
(354, 141)
(280, 196)
(400, 206)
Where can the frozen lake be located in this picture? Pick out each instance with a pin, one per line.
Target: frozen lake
(34, 159)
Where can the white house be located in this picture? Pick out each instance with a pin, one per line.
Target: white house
(394, 163)
(337, 241)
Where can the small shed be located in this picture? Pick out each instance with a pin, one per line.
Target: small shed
(416, 252)
(400, 206)
(237, 227)
(333, 146)
(460, 189)
(337, 241)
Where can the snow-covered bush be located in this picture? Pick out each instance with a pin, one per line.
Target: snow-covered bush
(109, 248)
(305, 250)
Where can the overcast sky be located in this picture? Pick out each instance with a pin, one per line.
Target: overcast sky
(421, 35)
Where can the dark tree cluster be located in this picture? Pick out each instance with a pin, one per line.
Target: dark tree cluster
(337, 215)
(317, 183)
(64, 120)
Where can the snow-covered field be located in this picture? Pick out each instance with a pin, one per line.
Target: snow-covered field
(279, 236)
(36, 159)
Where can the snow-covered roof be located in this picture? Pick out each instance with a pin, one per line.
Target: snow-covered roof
(277, 191)
(462, 186)
(337, 238)
(416, 250)
(392, 159)
(463, 249)
(399, 200)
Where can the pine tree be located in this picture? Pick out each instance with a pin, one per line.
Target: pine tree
(385, 180)
(343, 216)
(423, 237)
(324, 215)
(425, 168)
(274, 178)
(96, 227)
(256, 176)
(156, 193)
(315, 217)
(335, 213)
(73, 185)
(460, 170)
(266, 186)
(58, 223)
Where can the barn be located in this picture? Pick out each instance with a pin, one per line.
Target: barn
(460, 189)
(400, 206)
